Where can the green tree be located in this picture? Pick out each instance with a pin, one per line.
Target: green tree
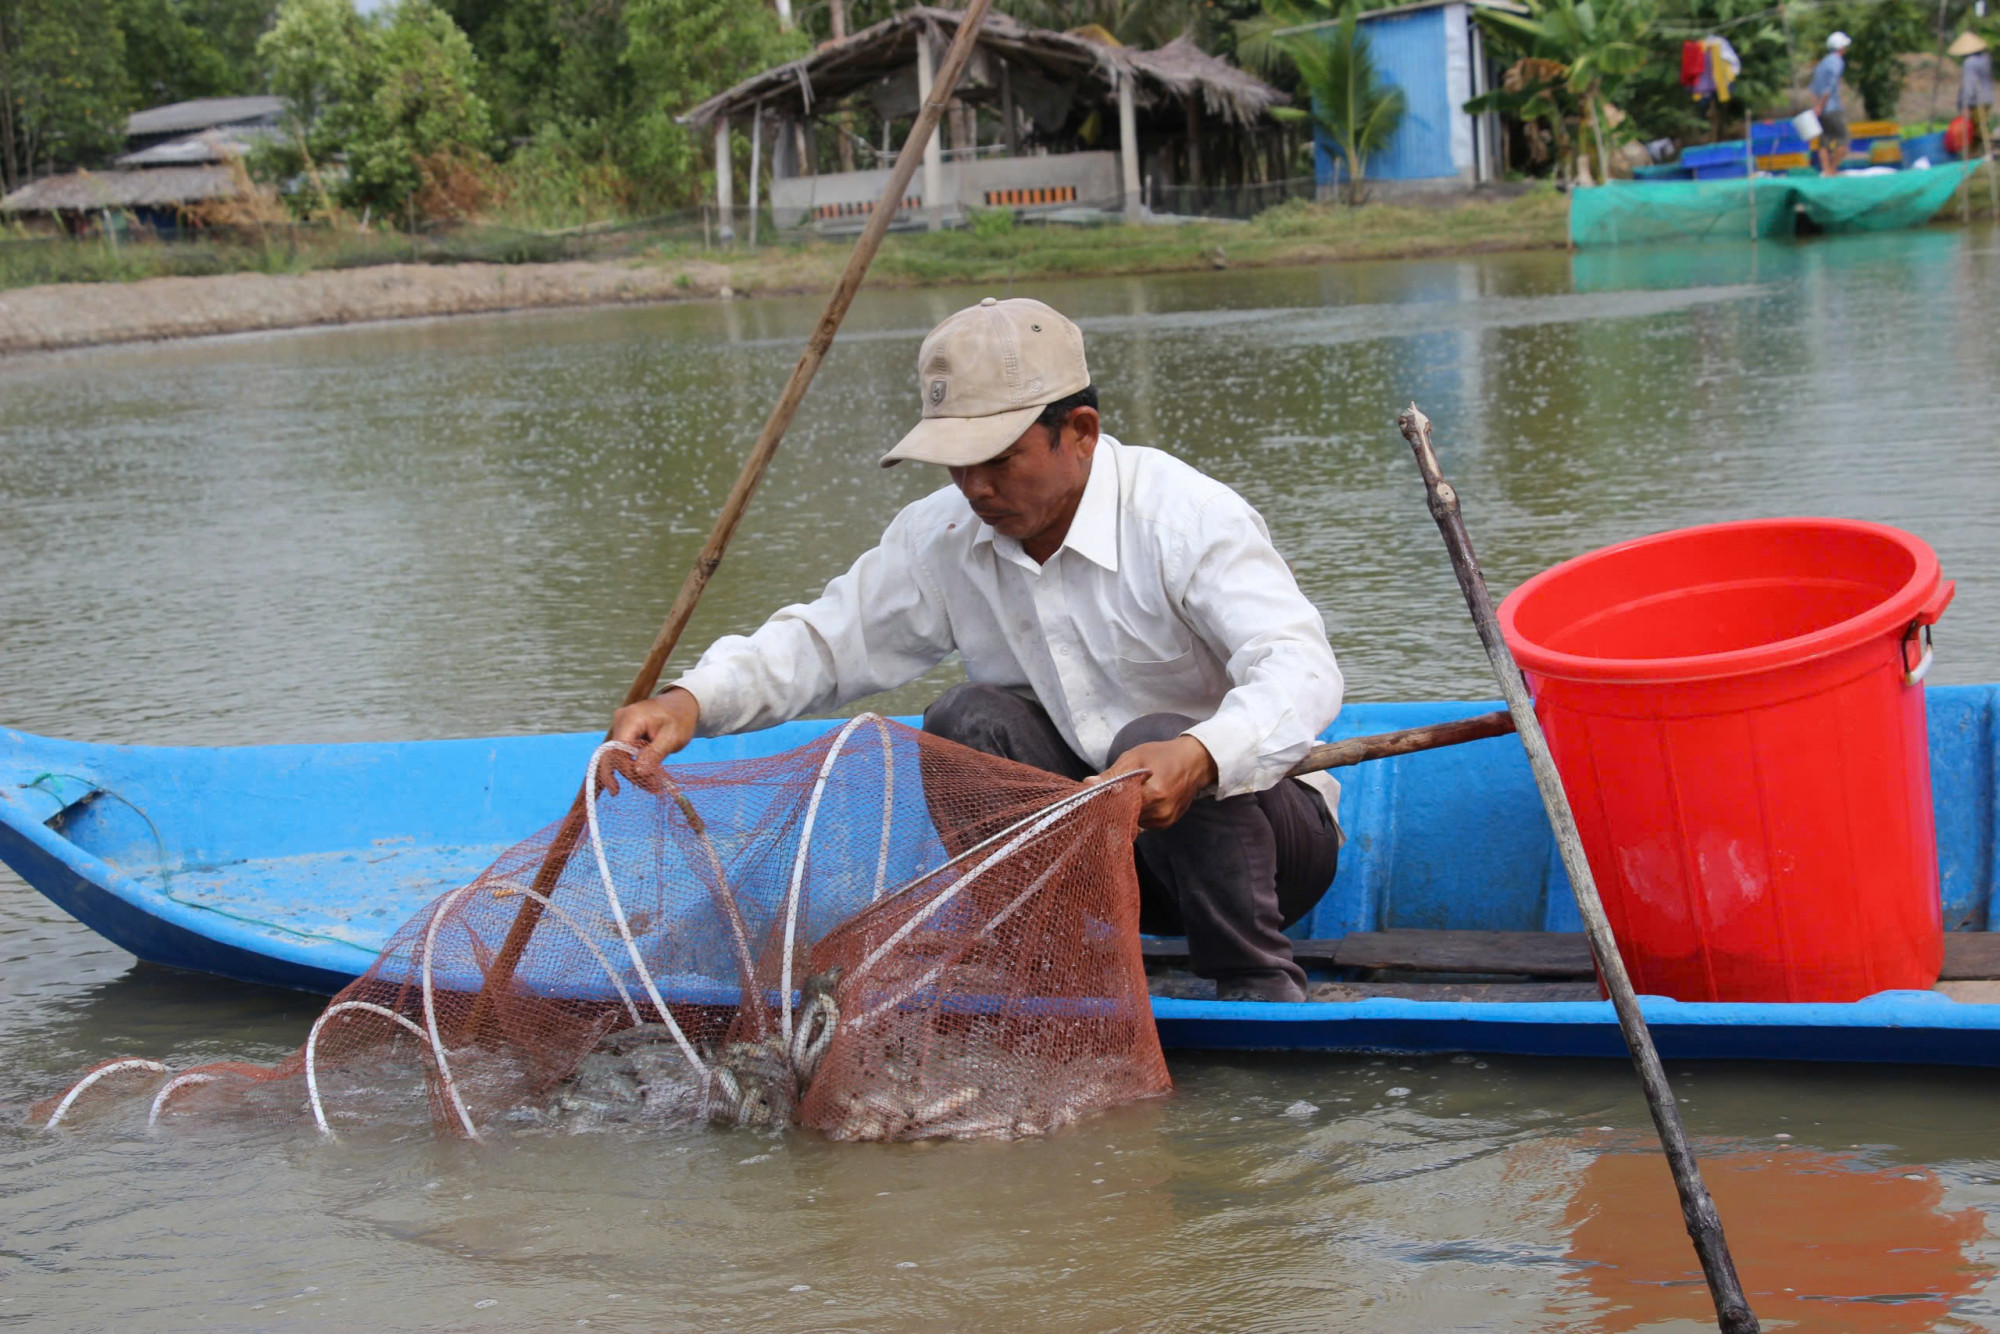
(680, 53)
(1599, 42)
(64, 95)
(1141, 23)
(425, 115)
(394, 96)
(170, 57)
(1349, 102)
(233, 28)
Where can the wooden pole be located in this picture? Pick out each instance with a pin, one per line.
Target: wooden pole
(1704, 1224)
(501, 976)
(1382, 745)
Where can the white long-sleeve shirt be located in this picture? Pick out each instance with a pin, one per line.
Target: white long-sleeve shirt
(1166, 596)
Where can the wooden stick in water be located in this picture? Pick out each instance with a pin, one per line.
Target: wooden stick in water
(501, 976)
(1704, 1224)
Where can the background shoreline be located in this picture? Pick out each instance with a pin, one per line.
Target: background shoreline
(61, 316)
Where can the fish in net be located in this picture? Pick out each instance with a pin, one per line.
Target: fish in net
(881, 935)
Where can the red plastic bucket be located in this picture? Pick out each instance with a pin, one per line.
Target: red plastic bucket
(1737, 712)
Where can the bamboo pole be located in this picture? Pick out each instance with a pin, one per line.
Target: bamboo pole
(1698, 1212)
(501, 976)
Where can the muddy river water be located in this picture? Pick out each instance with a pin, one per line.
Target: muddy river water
(468, 528)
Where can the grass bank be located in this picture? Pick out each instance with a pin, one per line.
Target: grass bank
(59, 294)
(1292, 233)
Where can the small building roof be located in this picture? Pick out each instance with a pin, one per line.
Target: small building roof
(1390, 11)
(88, 191)
(196, 149)
(203, 114)
(838, 68)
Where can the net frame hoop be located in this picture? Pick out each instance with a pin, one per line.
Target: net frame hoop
(108, 1068)
(618, 907)
(185, 1079)
(430, 1011)
(1040, 822)
(792, 891)
(563, 916)
(931, 974)
(888, 803)
(312, 1064)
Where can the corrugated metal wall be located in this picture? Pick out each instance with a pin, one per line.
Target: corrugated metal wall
(1413, 52)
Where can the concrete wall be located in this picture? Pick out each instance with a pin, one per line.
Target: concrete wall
(842, 199)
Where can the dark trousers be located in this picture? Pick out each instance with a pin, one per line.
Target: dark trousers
(1230, 875)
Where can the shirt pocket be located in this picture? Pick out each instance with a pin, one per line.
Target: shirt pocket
(1151, 669)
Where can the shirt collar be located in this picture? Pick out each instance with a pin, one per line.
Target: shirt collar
(1093, 529)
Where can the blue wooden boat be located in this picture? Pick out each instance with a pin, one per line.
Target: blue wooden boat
(291, 866)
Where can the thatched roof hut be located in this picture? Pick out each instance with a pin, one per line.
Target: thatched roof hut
(157, 189)
(877, 55)
(1051, 93)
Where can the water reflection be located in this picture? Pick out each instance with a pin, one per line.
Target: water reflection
(1820, 1241)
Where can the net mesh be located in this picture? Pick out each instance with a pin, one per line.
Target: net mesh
(1626, 212)
(881, 935)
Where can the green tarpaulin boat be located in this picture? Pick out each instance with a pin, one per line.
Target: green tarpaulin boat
(1631, 212)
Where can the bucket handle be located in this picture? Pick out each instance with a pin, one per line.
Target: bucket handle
(1927, 616)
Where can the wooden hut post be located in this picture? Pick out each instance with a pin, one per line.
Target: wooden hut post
(933, 155)
(756, 165)
(1128, 146)
(724, 187)
(1192, 201)
(1007, 122)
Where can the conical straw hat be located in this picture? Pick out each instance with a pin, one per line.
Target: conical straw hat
(1968, 43)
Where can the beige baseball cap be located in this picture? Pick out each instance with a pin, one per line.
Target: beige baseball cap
(986, 374)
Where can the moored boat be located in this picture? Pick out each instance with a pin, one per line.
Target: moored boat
(292, 865)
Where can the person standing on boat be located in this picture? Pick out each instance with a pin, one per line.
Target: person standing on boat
(1827, 105)
(1115, 610)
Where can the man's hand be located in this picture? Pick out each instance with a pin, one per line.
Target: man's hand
(658, 726)
(1181, 768)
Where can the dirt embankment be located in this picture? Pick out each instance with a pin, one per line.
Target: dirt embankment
(81, 314)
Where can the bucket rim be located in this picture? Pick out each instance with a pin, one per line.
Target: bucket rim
(1895, 612)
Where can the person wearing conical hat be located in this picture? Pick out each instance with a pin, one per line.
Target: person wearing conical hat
(1975, 80)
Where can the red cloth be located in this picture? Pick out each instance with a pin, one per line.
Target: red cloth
(1958, 136)
(1694, 59)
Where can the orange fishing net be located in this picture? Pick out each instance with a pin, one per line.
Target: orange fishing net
(881, 935)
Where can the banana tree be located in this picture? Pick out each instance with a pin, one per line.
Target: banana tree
(1527, 93)
(1349, 100)
(1599, 41)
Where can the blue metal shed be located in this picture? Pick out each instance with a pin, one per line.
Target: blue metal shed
(1433, 51)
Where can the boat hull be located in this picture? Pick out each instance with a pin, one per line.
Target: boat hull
(290, 866)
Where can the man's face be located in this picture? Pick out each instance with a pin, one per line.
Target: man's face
(1032, 488)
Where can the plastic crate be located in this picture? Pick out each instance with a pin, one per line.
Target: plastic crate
(1886, 152)
(1722, 171)
(1874, 129)
(1785, 161)
(1699, 156)
(1927, 146)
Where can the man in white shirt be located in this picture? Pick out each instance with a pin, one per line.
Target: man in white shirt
(1115, 610)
